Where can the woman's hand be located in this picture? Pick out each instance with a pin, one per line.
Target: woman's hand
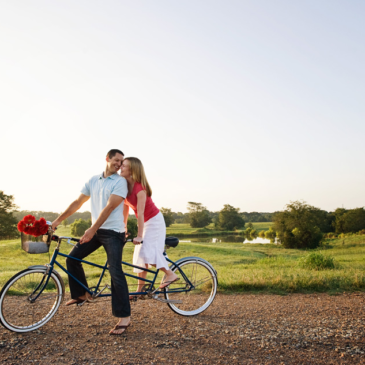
(137, 240)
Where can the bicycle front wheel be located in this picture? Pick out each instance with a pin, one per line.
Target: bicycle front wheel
(200, 296)
(28, 301)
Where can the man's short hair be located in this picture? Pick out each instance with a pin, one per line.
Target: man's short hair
(113, 152)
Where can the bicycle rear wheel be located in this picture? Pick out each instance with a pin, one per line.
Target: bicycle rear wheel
(20, 310)
(204, 280)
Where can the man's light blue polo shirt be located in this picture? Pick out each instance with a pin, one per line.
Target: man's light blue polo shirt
(99, 189)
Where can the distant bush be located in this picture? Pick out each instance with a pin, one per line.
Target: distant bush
(270, 233)
(247, 232)
(298, 226)
(79, 226)
(253, 233)
(352, 220)
(229, 219)
(261, 234)
(317, 261)
(330, 235)
(132, 227)
(168, 216)
(199, 215)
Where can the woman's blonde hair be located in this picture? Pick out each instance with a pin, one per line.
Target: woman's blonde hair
(138, 174)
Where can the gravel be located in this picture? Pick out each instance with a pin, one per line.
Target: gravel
(236, 329)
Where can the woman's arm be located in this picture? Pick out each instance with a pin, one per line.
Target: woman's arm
(125, 215)
(141, 204)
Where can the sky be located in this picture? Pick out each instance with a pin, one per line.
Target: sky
(249, 103)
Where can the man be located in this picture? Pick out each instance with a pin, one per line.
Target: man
(107, 192)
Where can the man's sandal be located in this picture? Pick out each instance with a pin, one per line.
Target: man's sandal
(167, 283)
(134, 298)
(78, 301)
(116, 328)
(75, 301)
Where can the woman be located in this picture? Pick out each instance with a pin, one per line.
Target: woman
(151, 223)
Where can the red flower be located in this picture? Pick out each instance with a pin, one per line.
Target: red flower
(43, 229)
(21, 226)
(42, 221)
(34, 231)
(27, 230)
(29, 219)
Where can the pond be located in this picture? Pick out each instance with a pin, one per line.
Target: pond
(228, 238)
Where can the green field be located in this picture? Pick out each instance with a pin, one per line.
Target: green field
(186, 230)
(241, 268)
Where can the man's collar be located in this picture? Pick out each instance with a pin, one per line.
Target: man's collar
(113, 177)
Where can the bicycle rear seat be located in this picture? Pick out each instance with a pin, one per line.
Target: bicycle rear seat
(171, 241)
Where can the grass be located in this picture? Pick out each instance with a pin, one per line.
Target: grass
(241, 267)
(186, 230)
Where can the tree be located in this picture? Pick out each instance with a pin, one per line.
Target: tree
(352, 220)
(229, 218)
(8, 223)
(199, 215)
(79, 226)
(168, 216)
(65, 222)
(181, 217)
(298, 226)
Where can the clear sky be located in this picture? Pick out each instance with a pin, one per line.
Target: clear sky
(248, 103)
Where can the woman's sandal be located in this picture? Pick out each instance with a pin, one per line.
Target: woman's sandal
(167, 283)
(116, 328)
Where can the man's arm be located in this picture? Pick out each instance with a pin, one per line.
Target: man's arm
(125, 215)
(113, 202)
(74, 206)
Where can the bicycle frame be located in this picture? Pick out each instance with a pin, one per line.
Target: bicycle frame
(188, 286)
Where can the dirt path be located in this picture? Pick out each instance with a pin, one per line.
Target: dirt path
(236, 329)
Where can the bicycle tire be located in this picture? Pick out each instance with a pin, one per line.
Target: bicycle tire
(204, 278)
(17, 312)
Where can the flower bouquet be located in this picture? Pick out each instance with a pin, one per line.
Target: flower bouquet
(28, 227)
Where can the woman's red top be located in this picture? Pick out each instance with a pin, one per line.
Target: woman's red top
(150, 209)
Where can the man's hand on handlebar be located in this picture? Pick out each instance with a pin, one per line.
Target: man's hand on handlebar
(55, 223)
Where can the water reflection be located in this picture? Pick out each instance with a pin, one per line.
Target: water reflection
(231, 238)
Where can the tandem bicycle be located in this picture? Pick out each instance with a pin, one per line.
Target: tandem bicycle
(32, 296)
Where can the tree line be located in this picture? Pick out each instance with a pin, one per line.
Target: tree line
(51, 216)
(179, 217)
(300, 225)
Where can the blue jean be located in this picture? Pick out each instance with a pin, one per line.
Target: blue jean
(113, 243)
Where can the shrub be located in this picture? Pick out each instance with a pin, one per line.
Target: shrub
(247, 232)
(229, 219)
(330, 235)
(261, 234)
(168, 216)
(132, 227)
(352, 220)
(298, 226)
(317, 261)
(79, 226)
(253, 233)
(199, 215)
(270, 234)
